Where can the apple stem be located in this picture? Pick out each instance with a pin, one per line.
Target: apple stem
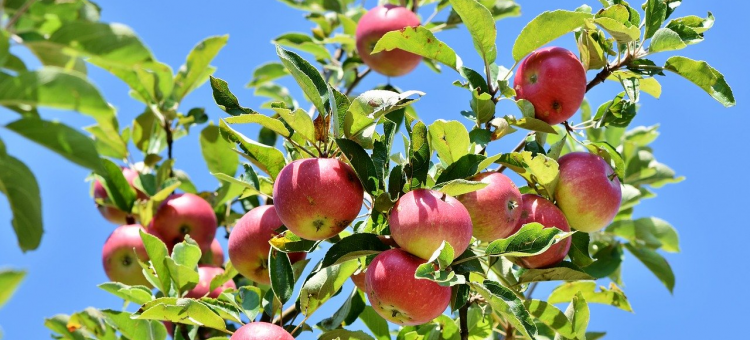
(129, 219)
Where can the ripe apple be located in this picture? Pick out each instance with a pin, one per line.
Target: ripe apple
(494, 209)
(119, 260)
(261, 331)
(185, 214)
(397, 295)
(206, 274)
(248, 243)
(554, 81)
(359, 280)
(538, 209)
(214, 256)
(109, 212)
(422, 219)
(376, 23)
(317, 198)
(588, 192)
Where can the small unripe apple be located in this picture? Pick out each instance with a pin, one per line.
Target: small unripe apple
(397, 295)
(119, 259)
(538, 209)
(206, 274)
(317, 198)
(422, 219)
(554, 81)
(588, 192)
(185, 214)
(261, 331)
(376, 23)
(248, 243)
(109, 212)
(494, 209)
(215, 255)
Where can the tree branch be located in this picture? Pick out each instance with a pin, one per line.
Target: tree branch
(287, 314)
(170, 138)
(463, 319)
(19, 13)
(356, 81)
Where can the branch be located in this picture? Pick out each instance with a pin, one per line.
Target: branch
(170, 139)
(356, 81)
(287, 314)
(19, 13)
(414, 5)
(464, 321)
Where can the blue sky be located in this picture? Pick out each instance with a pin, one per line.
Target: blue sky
(699, 139)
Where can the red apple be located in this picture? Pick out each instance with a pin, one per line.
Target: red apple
(317, 198)
(538, 209)
(214, 256)
(422, 219)
(359, 280)
(206, 274)
(261, 331)
(372, 26)
(553, 79)
(119, 260)
(248, 243)
(185, 214)
(588, 191)
(110, 212)
(494, 209)
(397, 295)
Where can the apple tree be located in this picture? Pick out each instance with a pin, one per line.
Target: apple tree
(439, 242)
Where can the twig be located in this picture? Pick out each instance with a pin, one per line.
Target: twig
(531, 290)
(170, 138)
(414, 5)
(287, 315)
(518, 148)
(356, 81)
(18, 14)
(464, 321)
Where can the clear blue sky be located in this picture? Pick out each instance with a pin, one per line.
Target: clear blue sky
(699, 139)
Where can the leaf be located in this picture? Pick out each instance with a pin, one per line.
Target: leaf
(419, 40)
(288, 242)
(19, 185)
(135, 294)
(610, 155)
(546, 27)
(322, 285)
(579, 250)
(612, 296)
(361, 163)
(9, 282)
(481, 25)
(465, 167)
(217, 152)
(532, 239)
(353, 247)
(183, 311)
(308, 78)
(346, 314)
(656, 13)
(367, 109)
(564, 271)
(134, 328)
(194, 72)
(305, 43)
(622, 32)
(578, 313)
(156, 250)
(551, 316)
(695, 23)
(250, 299)
(345, 334)
(184, 277)
(508, 305)
(419, 156)
(449, 139)
(655, 262)
(300, 122)
(266, 73)
(268, 159)
(375, 323)
(115, 44)
(282, 276)
(226, 309)
(118, 188)
(458, 187)
(652, 232)
(701, 74)
(225, 99)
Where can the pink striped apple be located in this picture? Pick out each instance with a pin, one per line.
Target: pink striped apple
(538, 209)
(214, 256)
(494, 209)
(121, 253)
(185, 214)
(206, 274)
(376, 23)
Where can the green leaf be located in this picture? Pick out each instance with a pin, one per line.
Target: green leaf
(701, 74)
(695, 23)
(308, 78)
(288, 242)
(346, 314)
(368, 108)
(59, 324)
(353, 247)
(551, 316)
(217, 152)
(272, 124)
(300, 122)
(361, 163)
(508, 305)
(419, 156)
(666, 39)
(282, 276)
(197, 66)
(19, 185)
(345, 334)
(151, 82)
(545, 28)
(466, 166)
(117, 187)
(622, 32)
(226, 309)
(375, 323)
(135, 294)
(449, 139)
(9, 282)
(578, 313)
(268, 159)
(183, 311)
(134, 328)
(305, 43)
(656, 13)
(114, 44)
(420, 41)
(655, 262)
(612, 296)
(532, 239)
(322, 285)
(481, 25)
(225, 99)
(266, 73)
(458, 187)
(564, 271)
(579, 250)
(157, 250)
(610, 155)
(250, 299)
(482, 105)
(184, 277)
(652, 232)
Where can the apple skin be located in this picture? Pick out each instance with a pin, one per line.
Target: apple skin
(119, 262)
(317, 198)
(248, 243)
(538, 209)
(261, 331)
(185, 214)
(588, 192)
(494, 209)
(206, 274)
(215, 255)
(553, 79)
(359, 280)
(397, 295)
(422, 219)
(372, 26)
(111, 213)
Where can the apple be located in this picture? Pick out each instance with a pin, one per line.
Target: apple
(588, 192)
(206, 274)
(554, 81)
(538, 209)
(422, 219)
(372, 26)
(119, 259)
(185, 214)
(494, 209)
(359, 280)
(317, 198)
(261, 331)
(110, 212)
(248, 243)
(214, 256)
(397, 295)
